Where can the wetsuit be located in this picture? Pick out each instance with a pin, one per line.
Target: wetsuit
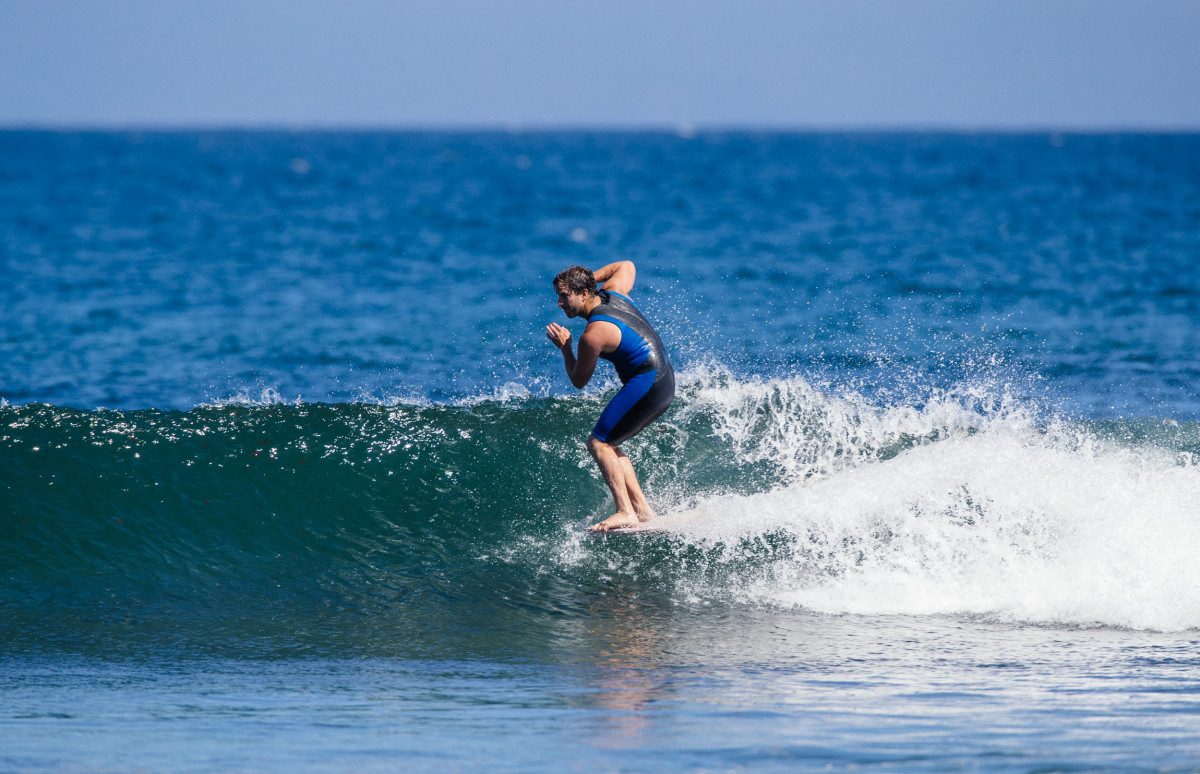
(643, 367)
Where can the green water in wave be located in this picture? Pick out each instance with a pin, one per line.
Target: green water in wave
(418, 530)
(311, 527)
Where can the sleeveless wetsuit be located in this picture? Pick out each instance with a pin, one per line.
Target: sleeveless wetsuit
(643, 367)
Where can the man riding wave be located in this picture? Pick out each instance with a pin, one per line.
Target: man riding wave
(617, 332)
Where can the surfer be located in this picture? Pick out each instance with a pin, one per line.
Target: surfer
(617, 332)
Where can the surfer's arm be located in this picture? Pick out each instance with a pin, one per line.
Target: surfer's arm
(595, 338)
(577, 369)
(580, 369)
(617, 277)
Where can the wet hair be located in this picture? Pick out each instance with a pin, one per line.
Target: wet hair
(576, 279)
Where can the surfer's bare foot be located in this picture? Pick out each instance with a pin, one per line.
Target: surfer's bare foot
(615, 521)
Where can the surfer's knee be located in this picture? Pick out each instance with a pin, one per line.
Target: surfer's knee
(597, 447)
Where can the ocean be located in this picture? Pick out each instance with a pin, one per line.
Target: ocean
(292, 480)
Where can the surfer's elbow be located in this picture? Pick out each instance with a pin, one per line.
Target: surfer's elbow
(580, 377)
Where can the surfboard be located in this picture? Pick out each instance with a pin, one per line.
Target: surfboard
(641, 529)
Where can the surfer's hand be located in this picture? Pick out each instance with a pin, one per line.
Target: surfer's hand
(559, 335)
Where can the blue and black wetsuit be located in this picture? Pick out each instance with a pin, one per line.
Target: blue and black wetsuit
(643, 367)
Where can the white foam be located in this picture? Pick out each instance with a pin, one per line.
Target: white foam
(268, 396)
(504, 393)
(990, 513)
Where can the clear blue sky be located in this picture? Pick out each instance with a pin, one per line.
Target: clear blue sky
(1086, 64)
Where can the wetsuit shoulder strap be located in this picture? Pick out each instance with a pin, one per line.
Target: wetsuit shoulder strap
(619, 295)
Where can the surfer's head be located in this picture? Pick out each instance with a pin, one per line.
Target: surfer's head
(574, 287)
(576, 279)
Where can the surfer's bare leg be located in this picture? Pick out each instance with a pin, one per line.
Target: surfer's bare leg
(608, 457)
(634, 489)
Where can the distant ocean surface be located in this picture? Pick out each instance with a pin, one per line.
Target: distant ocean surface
(291, 480)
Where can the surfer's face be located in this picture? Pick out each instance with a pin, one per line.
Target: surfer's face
(571, 303)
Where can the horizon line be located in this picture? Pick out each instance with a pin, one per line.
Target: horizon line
(682, 129)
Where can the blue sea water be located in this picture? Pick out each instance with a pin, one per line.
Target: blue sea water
(290, 478)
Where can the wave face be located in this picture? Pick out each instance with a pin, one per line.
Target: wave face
(455, 529)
